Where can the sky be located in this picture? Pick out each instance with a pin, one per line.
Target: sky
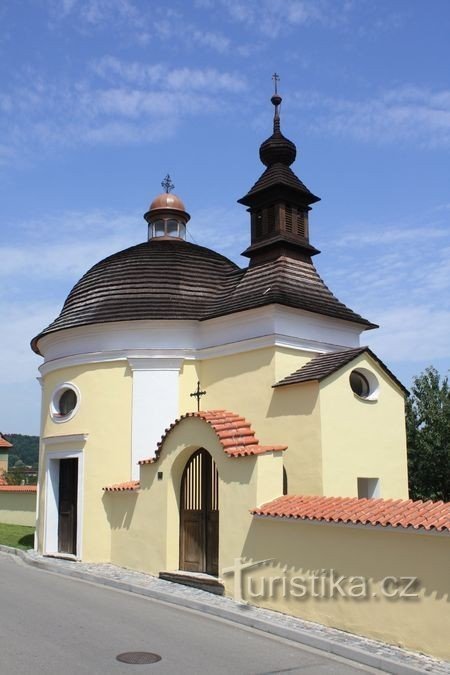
(100, 99)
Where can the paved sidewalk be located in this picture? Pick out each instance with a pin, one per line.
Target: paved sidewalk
(362, 650)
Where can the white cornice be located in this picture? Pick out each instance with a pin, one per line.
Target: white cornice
(67, 438)
(154, 363)
(138, 341)
(178, 356)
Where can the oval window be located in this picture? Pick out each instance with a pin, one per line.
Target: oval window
(67, 402)
(364, 384)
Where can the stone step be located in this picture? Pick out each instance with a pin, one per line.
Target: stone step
(204, 582)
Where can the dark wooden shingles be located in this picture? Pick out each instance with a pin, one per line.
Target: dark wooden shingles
(180, 280)
(323, 365)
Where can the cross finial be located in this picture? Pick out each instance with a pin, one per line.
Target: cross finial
(198, 394)
(167, 184)
(276, 79)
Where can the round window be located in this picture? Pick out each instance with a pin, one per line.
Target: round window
(364, 384)
(65, 402)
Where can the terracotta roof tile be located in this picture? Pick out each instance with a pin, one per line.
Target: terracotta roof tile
(128, 486)
(18, 488)
(233, 431)
(4, 443)
(324, 365)
(386, 512)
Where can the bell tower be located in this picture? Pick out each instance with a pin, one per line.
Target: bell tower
(279, 203)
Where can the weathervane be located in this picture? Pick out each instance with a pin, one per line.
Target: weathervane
(198, 394)
(276, 79)
(167, 184)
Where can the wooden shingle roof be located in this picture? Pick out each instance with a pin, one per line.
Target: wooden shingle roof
(285, 281)
(180, 280)
(323, 365)
(279, 175)
(154, 280)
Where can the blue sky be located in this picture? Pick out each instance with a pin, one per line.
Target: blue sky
(99, 99)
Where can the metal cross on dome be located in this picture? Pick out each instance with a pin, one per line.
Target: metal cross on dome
(198, 394)
(276, 79)
(167, 184)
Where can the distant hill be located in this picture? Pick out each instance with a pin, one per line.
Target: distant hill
(25, 449)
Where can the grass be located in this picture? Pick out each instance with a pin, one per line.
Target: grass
(17, 536)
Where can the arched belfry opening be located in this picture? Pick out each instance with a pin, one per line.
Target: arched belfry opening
(199, 515)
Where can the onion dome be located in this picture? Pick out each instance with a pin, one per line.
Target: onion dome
(277, 148)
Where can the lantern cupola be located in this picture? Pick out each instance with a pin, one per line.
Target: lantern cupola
(167, 216)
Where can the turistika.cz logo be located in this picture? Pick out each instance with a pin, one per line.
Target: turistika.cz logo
(321, 584)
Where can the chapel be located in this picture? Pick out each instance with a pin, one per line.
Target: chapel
(180, 391)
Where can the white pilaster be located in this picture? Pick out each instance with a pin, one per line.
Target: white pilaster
(155, 404)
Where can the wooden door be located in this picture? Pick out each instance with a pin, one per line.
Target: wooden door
(199, 515)
(67, 506)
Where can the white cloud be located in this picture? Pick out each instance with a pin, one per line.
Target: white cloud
(271, 17)
(398, 276)
(413, 333)
(397, 115)
(207, 80)
(24, 321)
(140, 102)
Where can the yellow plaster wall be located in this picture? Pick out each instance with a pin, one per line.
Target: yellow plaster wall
(105, 414)
(3, 462)
(362, 438)
(300, 549)
(18, 508)
(288, 416)
(145, 524)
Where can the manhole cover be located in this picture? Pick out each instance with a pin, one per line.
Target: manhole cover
(138, 658)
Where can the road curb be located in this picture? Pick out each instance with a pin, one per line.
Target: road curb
(242, 616)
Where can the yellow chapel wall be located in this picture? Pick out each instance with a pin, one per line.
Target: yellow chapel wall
(105, 415)
(145, 524)
(288, 416)
(386, 558)
(363, 438)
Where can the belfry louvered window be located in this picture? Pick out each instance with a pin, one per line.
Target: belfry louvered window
(270, 219)
(300, 223)
(257, 220)
(288, 217)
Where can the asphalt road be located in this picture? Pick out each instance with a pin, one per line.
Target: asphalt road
(50, 624)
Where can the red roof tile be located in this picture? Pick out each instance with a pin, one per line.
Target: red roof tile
(393, 512)
(4, 443)
(233, 431)
(18, 488)
(128, 486)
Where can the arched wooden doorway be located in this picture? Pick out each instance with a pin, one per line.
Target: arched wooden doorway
(199, 515)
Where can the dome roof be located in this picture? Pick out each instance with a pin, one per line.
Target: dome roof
(167, 200)
(154, 280)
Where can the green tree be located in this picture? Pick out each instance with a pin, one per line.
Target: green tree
(428, 436)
